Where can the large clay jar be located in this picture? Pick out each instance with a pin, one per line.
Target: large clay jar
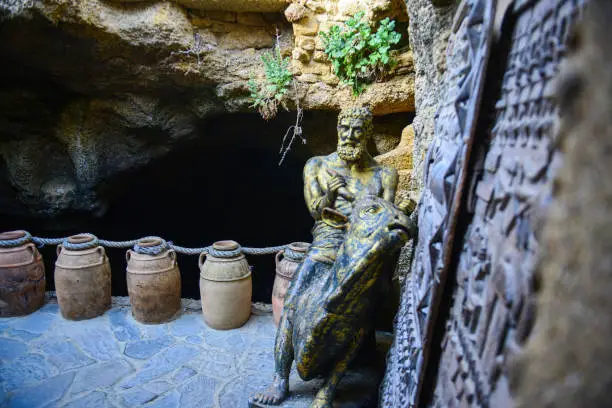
(154, 284)
(22, 276)
(82, 278)
(287, 262)
(225, 286)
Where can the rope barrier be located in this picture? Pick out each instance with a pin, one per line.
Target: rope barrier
(91, 242)
(142, 247)
(151, 250)
(10, 243)
(263, 251)
(294, 255)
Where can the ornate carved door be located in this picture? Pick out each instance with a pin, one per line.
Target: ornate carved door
(467, 304)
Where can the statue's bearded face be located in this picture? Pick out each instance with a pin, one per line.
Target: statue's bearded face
(351, 138)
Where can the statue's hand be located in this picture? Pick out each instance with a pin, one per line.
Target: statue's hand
(335, 183)
(337, 186)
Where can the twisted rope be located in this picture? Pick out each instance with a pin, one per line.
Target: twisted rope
(151, 250)
(294, 255)
(39, 241)
(263, 251)
(119, 244)
(80, 246)
(224, 254)
(10, 243)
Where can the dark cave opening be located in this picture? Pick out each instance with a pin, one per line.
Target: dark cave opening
(223, 184)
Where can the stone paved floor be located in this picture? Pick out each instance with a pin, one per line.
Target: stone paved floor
(114, 361)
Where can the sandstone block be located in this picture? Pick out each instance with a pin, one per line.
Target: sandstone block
(326, 25)
(250, 19)
(315, 68)
(320, 56)
(308, 25)
(308, 78)
(301, 55)
(401, 157)
(306, 43)
(295, 12)
(317, 6)
(330, 79)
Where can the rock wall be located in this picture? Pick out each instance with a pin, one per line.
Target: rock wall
(311, 65)
(429, 32)
(91, 88)
(400, 158)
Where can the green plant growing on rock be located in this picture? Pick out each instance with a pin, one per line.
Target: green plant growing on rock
(358, 54)
(271, 93)
(268, 95)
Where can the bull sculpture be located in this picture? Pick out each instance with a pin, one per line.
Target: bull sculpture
(328, 311)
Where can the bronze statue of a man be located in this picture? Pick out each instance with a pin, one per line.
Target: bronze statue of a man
(336, 180)
(328, 308)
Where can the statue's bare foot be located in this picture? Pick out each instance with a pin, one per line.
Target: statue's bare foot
(276, 393)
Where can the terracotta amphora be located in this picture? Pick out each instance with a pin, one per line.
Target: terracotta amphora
(225, 286)
(154, 283)
(287, 262)
(22, 276)
(82, 278)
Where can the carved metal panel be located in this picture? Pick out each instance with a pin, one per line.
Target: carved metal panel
(467, 54)
(493, 306)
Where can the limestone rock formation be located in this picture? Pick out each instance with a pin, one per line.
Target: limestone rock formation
(400, 158)
(93, 88)
(428, 41)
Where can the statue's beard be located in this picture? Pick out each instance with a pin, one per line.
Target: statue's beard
(350, 153)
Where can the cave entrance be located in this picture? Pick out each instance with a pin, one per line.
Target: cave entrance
(225, 183)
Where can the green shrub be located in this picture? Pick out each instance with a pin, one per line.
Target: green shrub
(359, 55)
(268, 95)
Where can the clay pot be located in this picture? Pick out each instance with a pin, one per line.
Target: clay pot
(225, 287)
(154, 284)
(82, 280)
(22, 277)
(285, 269)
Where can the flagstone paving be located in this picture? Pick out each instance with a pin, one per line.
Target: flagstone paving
(114, 361)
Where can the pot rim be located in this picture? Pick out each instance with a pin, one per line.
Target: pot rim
(149, 242)
(80, 238)
(17, 234)
(226, 245)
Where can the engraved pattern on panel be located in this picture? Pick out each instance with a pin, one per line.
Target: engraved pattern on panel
(493, 306)
(445, 159)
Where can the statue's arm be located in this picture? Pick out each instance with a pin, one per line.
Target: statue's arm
(389, 183)
(316, 198)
